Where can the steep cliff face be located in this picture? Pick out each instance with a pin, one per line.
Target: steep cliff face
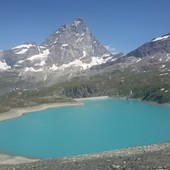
(79, 91)
(73, 42)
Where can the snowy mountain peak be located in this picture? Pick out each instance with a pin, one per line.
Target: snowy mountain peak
(70, 49)
(76, 28)
(161, 38)
(71, 42)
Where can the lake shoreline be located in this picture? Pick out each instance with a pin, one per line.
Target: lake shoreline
(13, 113)
(119, 98)
(140, 100)
(135, 152)
(17, 112)
(92, 98)
(8, 159)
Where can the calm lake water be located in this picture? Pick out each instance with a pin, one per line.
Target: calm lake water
(99, 125)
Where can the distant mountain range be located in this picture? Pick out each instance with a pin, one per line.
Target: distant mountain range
(72, 52)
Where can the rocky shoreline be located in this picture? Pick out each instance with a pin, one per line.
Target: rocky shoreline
(156, 157)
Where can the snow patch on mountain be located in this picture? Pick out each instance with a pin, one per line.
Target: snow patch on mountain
(84, 54)
(42, 63)
(79, 39)
(163, 74)
(42, 56)
(31, 69)
(79, 63)
(63, 46)
(20, 61)
(42, 47)
(22, 51)
(162, 66)
(161, 38)
(23, 46)
(4, 66)
(138, 60)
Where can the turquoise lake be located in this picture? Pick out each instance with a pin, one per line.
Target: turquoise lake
(98, 125)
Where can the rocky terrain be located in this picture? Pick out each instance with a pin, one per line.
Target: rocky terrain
(71, 62)
(66, 53)
(156, 45)
(153, 157)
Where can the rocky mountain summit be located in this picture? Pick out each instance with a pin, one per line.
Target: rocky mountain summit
(70, 50)
(74, 43)
(71, 45)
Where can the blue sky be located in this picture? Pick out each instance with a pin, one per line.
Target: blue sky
(120, 24)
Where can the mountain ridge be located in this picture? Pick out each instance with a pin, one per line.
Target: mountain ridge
(71, 47)
(160, 44)
(72, 62)
(71, 36)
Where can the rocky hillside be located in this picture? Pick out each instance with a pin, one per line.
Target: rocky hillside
(70, 50)
(159, 45)
(151, 157)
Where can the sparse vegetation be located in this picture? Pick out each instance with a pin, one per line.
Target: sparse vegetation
(149, 86)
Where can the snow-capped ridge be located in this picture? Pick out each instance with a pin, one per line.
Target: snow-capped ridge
(23, 48)
(161, 37)
(25, 45)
